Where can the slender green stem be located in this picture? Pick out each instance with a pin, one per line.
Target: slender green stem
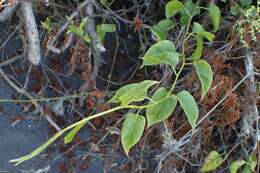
(83, 121)
(186, 34)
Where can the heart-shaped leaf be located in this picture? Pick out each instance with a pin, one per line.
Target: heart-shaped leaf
(236, 165)
(205, 75)
(212, 161)
(173, 7)
(132, 130)
(162, 52)
(132, 92)
(163, 109)
(215, 14)
(189, 107)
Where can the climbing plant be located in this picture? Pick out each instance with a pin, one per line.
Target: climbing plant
(159, 105)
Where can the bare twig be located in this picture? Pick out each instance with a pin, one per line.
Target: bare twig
(10, 61)
(51, 45)
(7, 12)
(34, 53)
(29, 96)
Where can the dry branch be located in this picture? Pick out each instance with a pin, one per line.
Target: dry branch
(29, 96)
(96, 46)
(34, 53)
(251, 114)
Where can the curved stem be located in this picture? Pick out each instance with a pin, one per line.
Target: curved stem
(83, 121)
(186, 34)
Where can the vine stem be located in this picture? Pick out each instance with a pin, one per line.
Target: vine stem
(186, 34)
(83, 121)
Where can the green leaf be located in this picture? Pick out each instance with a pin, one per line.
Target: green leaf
(235, 10)
(166, 24)
(47, 24)
(132, 92)
(212, 161)
(190, 9)
(199, 30)
(209, 36)
(215, 14)
(161, 29)
(245, 3)
(83, 23)
(246, 169)
(205, 75)
(189, 106)
(252, 162)
(173, 7)
(107, 3)
(132, 130)
(70, 136)
(163, 109)
(162, 52)
(198, 51)
(103, 29)
(236, 165)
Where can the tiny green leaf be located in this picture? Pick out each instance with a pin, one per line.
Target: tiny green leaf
(163, 109)
(173, 7)
(235, 10)
(209, 36)
(212, 161)
(190, 9)
(70, 136)
(199, 30)
(215, 14)
(189, 106)
(132, 92)
(103, 29)
(205, 75)
(161, 29)
(198, 51)
(162, 52)
(47, 24)
(236, 165)
(132, 130)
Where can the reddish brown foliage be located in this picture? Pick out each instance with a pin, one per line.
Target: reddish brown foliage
(137, 24)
